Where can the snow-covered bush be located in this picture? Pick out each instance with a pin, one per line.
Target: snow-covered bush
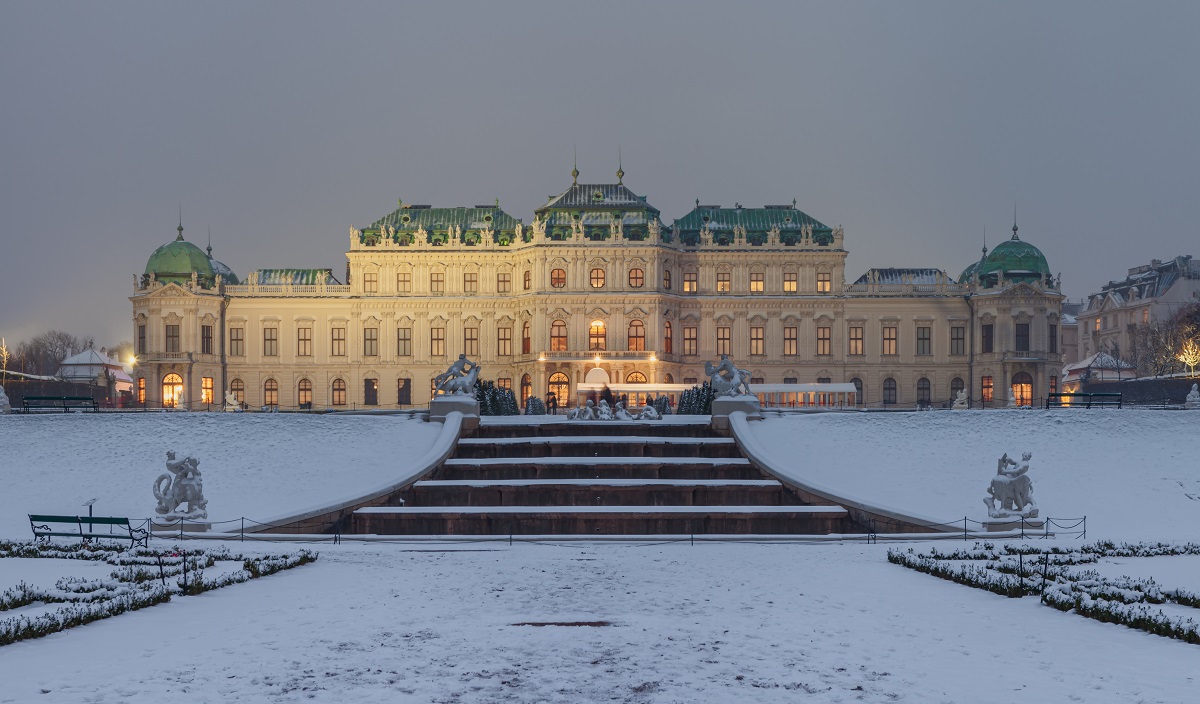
(535, 407)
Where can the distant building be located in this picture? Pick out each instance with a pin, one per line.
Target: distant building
(92, 367)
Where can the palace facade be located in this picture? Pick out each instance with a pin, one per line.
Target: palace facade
(597, 288)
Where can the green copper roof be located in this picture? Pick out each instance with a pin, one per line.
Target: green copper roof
(598, 196)
(1015, 259)
(296, 277)
(410, 217)
(175, 261)
(752, 219)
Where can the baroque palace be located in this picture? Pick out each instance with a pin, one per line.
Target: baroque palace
(596, 289)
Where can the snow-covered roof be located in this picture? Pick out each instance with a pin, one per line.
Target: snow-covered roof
(1100, 360)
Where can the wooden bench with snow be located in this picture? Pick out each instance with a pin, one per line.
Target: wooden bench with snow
(85, 528)
(55, 403)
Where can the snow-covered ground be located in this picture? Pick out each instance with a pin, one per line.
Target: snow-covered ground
(715, 622)
(1135, 474)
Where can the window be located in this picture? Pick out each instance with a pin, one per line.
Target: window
(824, 340)
(558, 278)
(1053, 384)
(637, 336)
(236, 387)
(924, 341)
(437, 282)
(404, 391)
(890, 341)
(237, 342)
(1052, 339)
(757, 284)
(1097, 326)
(637, 278)
(370, 342)
(471, 341)
(471, 282)
(924, 392)
(206, 389)
(337, 342)
(172, 338)
(666, 279)
(504, 342)
(987, 337)
(304, 342)
(371, 282)
(528, 280)
(304, 394)
(824, 283)
(1022, 330)
(889, 390)
(723, 344)
(338, 397)
(206, 339)
(270, 342)
(668, 338)
(789, 282)
(689, 282)
(560, 386)
(141, 397)
(635, 378)
(956, 385)
(404, 282)
(757, 340)
(958, 340)
(791, 379)
(668, 379)
(855, 345)
(690, 380)
(370, 392)
(141, 342)
(986, 387)
(437, 342)
(790, 344)
(504, 283)
(558, 336)
(858, 391)
(404, 342)
(690, 340)
(526, 388)
(723, 285)
(1145, 316)
(526, 338)
(270, 392)
(597, 278)
(596, 335)
(1022, 388)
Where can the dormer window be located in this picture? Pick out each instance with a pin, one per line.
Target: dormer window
(598, 195)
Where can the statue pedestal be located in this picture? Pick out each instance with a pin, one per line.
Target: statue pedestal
(1032, 525)
(164, 525)
(443, 405)
(722, 406)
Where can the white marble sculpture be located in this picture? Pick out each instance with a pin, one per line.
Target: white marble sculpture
(1011, 491)
(726, 379)
(6, 407)
(232, 405)
(620, 413)
(649, 413)
(588, 412)
(1192, 400)
(1012, 401)
(180, 484)
(181, 402)
(960, 401)
(459, 379)
(604, 412)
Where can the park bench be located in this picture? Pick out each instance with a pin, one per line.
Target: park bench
(85, 528)
(1106, 400)
(54, 403)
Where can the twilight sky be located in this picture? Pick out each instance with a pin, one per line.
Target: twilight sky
(278, 125)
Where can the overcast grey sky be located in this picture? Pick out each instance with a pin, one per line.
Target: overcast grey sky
(913, 125)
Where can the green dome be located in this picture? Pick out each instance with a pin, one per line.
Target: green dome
(1015, 260)
(175, 261)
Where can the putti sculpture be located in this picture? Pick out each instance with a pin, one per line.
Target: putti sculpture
(726, 379)
(1012, 489)
(960, 401)
(459, 379)
(179, 485)
(1193, 397)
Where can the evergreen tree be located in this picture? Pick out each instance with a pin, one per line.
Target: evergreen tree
(535, 407)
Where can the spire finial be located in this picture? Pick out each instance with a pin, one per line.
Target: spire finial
(1015, 222)
(620, 170)
(209, 250)
(575, 168)
(179, 229)
(984, 243)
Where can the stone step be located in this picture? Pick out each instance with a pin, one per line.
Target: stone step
(510, 428)
(599, 520)
(598, 468)
(591, 446)
(599, 492)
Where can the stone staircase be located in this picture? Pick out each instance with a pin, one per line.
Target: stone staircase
(598, 478)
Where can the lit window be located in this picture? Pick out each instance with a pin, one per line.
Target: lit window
(855, 345)
(723, 282)
(596, 335)
(558, 278)
(597, 278)
(790, 340)
(823, 283)
(304, 393)
(824, 340)
(504, 382)
(637, 278)
(206, 389)
(986, 387)
(690, 340)
(528, 280)
(558, 336)
(526, 338)
(141, 389)
(723, 345)
(757, 282)
(757, 340)
(689, 282)
(637, 336)
(789, 282)
(270, 392)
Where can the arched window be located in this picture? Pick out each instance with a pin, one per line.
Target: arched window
(172, 389)
(304, 393)
(956, 385)
(668, 379)
(635, 378)
(270, 392)
(923, 391)
(558, 336)
(666, 279)
(1022, 389)
(339, 392)
(558, 278)
(526, 388)
(596, 336)
(526, 342)
(637, 278)
(597, 278)
(637, 336)
(858, 390)
(560, 386)
(237, 387)
(668, 338)
(528, 280)
(889, 390)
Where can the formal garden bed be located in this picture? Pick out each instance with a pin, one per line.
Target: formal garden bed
(139, 578)
(1062, 578)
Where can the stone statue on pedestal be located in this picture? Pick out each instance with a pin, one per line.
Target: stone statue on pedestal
(5, 406)
(459, 379)
(182, 484)
(1193, 397)
(960, 401)
(726, 379)
(1012, 489)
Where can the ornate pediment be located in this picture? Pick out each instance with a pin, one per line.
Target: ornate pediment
(636, 312)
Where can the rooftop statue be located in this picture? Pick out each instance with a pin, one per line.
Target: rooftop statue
(1012, 489)
(459, 379)
(182, 484)
(726, 379)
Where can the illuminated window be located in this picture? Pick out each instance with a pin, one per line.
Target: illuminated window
(596, 335)
(404, 342)
(370, 282)
(504, 342)
(338, 396)
(924, 340)
(526, 338)
(855, 343)
(237, 342)
(889, 390)
(1053, 384)
(824, 340)
(637, 336)
(789, 282)
(890, 340)
(404, 282)
(666, 279)
(558, 336)
(560, 386)
(141, 391)
(690, 340)
(723, 284)
(723, 345)
(471, 282)
(270, 342)
(757, 282)
(1145, 316)
(437, 342)
(597, 278)
(558, 278)
(1022, 388)
(757, 340)
(304, 342)
(958, 340)
(504, 283)
(668, 338)
(337, 342)
(526, 388)
(270, 392)
(689, 282)
(986, 387)
(528, 280)
(504, 382)
(437, 282)
(637, 278)
(791, 337)
(823, 283)
(1097, 328)
(172, 338)
(304, 393)
(206, 389)
(370, 342)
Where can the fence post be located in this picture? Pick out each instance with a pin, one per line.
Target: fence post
(1045, 572)
(964, 529)
(243, 531)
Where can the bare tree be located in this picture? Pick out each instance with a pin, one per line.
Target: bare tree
(44, 353)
